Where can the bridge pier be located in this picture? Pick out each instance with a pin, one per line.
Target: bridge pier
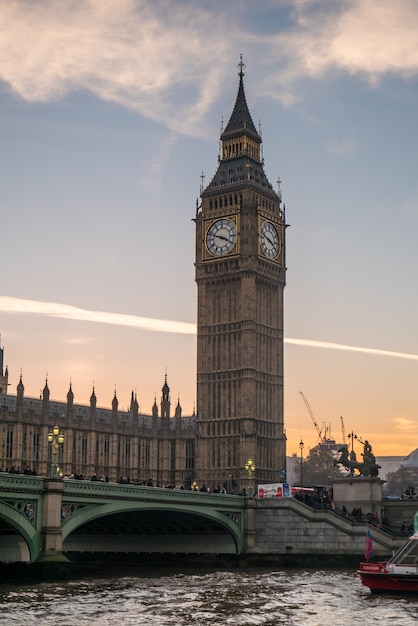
(51, 534)
(250, 539)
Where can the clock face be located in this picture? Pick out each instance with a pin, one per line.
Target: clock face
(221, 237)
(269, 240)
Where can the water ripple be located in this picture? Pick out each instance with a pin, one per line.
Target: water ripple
(238, 598)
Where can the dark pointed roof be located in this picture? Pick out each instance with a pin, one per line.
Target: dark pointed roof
(20, 386)
(165, 386)
(240, 119)
(237, 173)
(240, 166)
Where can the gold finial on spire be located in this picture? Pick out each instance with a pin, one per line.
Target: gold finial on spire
(241, 66)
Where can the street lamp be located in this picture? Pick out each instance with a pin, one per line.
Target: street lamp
(352, 436)
(353, 457)
(301, 446)
(250, 469)
(56, 439)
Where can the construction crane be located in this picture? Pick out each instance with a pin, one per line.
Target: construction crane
(311, 413)
(342, 429)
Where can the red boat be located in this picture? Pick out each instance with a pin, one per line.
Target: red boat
(398, 575)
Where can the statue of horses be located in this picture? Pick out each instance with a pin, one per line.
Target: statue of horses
(367, 468)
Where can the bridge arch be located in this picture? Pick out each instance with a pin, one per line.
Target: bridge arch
(19, 540)
(152, 527)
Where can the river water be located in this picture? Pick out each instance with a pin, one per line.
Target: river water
(239, 598)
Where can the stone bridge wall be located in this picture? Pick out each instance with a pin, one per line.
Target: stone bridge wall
(286, 526)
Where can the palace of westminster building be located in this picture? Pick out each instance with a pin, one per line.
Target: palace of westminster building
(240, 274)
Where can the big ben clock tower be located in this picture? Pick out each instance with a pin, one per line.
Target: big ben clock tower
(240, 275)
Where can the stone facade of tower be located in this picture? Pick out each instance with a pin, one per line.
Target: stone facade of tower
(240, 275)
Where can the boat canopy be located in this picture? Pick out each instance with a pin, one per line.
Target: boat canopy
(408, 553)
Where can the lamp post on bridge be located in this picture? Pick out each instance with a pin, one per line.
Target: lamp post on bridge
(56, 439)
(250, 469)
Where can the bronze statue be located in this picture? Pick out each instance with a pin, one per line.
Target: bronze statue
(368, 467)
(368, 456)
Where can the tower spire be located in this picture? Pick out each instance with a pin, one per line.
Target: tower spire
(241, 156)
(240, 121)
(241, 66)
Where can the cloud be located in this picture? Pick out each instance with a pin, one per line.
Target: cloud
(158, 160)
(371, 37)
(65, 311)
(338, 346)
(79, 341)
(402, 423)
(142, 55)
(345, 147)
(168, 60)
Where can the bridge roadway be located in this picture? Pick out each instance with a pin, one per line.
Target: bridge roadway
(43, 519)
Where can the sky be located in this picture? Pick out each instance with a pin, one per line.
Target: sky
(110, 116)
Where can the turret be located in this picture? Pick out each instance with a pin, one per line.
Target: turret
(154, 412)
(70, 403)
(4, 376)
(134, 405)
(20, 390)
(93, 402)
(45, 400)
(165, 400)
(115, 405)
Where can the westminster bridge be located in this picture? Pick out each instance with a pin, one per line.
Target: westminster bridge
(46, 519)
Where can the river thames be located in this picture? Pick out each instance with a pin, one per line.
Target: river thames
(240, 598)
